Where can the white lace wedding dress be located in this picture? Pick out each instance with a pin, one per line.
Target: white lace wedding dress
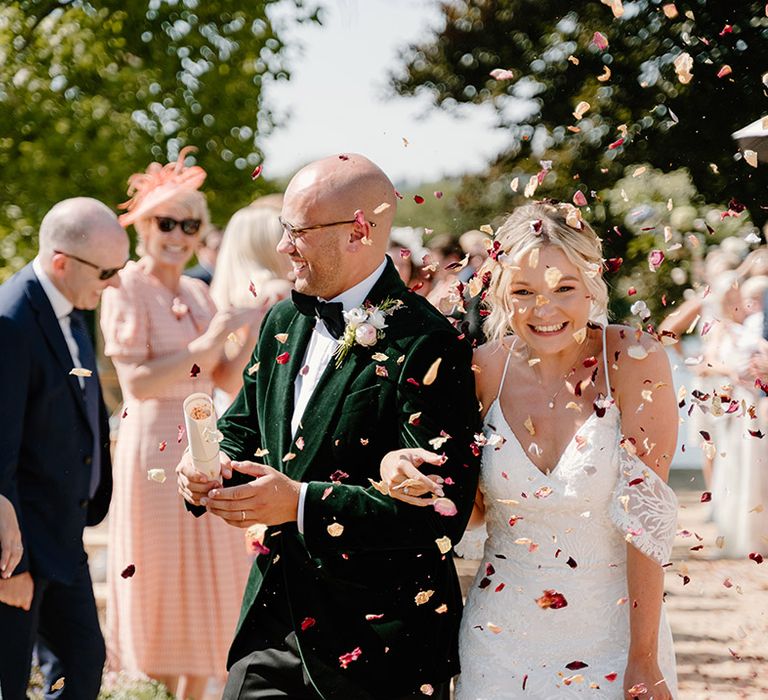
(561, 538)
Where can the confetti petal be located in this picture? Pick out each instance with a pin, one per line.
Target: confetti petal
(157, 475)
(431, 374)
(80, 372)
(502, 74)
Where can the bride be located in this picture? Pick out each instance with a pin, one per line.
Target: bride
(580, 428)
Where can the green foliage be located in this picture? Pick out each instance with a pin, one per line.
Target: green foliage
(661, 211)
(549, 46)
(437, 214)
(125, 687)
(91, 92)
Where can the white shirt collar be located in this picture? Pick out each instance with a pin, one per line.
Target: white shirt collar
(355, 296)
(62, 306)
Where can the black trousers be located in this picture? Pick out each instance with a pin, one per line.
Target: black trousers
(274, 674)
(64, 619)
(271, 668)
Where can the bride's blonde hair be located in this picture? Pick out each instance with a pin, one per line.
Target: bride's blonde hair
(537, 225)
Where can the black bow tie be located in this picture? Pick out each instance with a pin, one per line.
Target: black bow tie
(329, 312)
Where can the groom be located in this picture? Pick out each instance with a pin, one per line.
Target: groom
(352, 594)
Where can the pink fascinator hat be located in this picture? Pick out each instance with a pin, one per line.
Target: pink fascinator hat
(158, 184)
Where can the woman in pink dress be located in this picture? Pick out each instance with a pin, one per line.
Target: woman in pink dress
(166, 340)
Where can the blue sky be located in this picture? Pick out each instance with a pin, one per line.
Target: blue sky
(338, 100)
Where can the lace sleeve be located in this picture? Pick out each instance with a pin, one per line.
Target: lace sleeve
(644, 508)
(471, 546)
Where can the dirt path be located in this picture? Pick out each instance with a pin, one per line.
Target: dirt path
(720, 632)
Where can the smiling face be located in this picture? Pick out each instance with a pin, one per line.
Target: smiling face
(172, 249)
(329, 260)
(549, 301)
(318, 258)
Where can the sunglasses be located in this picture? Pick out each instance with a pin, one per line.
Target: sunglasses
(104, 273)
(188, 226)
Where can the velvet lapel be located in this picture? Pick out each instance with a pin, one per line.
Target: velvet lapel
(49, 324)
(276, 427)
(332, 387)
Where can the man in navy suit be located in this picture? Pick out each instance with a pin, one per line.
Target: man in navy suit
(54, 446)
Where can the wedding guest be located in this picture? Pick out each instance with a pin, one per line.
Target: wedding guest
(403, 262)
(11, 546)
(54, 462)
(701, 312)
(166, 340)
(407, 250)
(744, 523)
(250, 274)
(573, 478)
(444, 255)
(207, 255)
(474, 244)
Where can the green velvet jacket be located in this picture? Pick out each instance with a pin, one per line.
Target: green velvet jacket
(378, 583)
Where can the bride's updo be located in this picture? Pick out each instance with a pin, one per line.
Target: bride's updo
(536, 225)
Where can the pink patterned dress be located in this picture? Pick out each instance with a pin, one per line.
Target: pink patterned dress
(177, 614)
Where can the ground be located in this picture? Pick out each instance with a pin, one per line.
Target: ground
(719, 618)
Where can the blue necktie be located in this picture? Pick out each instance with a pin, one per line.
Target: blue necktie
(90, 392)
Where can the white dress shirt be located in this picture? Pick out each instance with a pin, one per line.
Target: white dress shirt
(62, 307)
(319, 353)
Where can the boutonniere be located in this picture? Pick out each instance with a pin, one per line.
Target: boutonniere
(364, 326)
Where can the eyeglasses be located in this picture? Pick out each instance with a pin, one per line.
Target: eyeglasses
(188, 226)
(104, 273)
(294, 232)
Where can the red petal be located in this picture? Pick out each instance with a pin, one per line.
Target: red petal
(282, 358)
(576, 665)
(349, 657)
(615, 144)
(308, 622)
(194, 371)
(129, 571)
(256, 171)
(579, 199)
(706, 497)
(418, 199)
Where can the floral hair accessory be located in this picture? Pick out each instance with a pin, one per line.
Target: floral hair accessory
(364, 327)
(158, 184)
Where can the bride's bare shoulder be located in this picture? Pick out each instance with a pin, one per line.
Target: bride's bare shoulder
(634, 356)
(493, 354)
(488, 361)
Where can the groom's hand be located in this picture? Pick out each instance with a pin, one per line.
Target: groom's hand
(194, 485)
(271, 498)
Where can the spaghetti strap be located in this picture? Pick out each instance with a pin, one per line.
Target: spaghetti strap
(605, 361)
(506, 367)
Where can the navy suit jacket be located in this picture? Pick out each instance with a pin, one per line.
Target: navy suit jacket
(46, 442)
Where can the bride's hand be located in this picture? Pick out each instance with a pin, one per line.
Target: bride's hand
(643, 680)
(400, 473)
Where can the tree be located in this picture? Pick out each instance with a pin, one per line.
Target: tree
(561, 54)
(91, 92)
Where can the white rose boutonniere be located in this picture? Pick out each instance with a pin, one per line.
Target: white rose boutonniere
(364, 327)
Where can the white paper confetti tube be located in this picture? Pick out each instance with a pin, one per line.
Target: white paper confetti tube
(200, 422)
